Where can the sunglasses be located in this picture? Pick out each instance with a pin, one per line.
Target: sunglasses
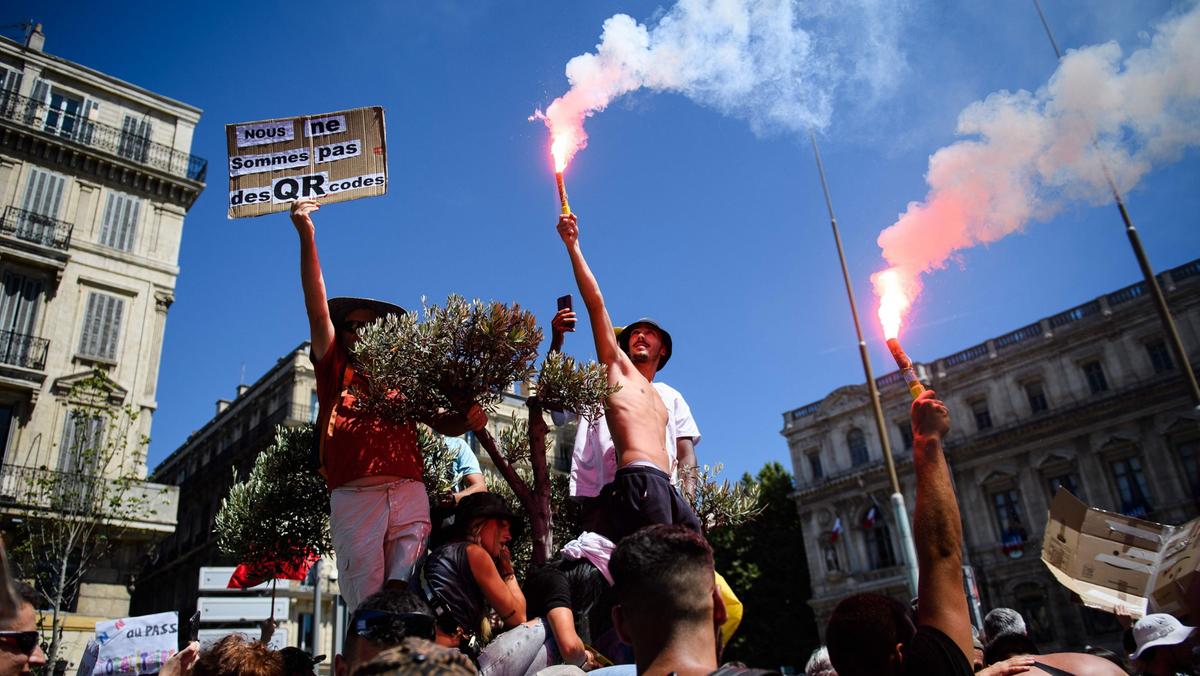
(26, 641)
(372, 623)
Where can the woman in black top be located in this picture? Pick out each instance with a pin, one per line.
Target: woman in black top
(475, 571)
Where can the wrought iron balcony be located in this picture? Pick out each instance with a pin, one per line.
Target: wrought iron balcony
(36, 228)
(122, 143)
(18, 349)
(45, 492)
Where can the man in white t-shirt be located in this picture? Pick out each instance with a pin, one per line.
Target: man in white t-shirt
(594, 458)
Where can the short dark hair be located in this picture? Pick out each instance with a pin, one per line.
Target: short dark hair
(1008, 645)
(863, 632)
(664, 574)
(395, 601)
(237, 655)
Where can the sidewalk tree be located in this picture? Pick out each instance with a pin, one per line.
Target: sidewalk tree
(73, 516)
(277, 519)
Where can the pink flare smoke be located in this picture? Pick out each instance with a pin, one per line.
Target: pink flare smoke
(1031, 153)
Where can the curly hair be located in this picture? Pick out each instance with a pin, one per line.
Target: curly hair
(237, 655)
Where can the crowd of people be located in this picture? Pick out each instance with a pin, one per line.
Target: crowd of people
(636, 592)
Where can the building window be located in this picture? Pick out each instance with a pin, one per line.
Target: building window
(1188, 452)
(82, 439)
(1094, 373)
(63, 113)
(19, 304)
(101, 326)
(1160, 356)
(1006, 510)
(983, 417)
(1131, 486)
(1036, 396)
(43, 197)
(1031, 603)
(119, 224)
(880, 553)
(832, 563)
(906, 436)
(1067, 480)
(814, 464)
(135, 139)
(857, 442)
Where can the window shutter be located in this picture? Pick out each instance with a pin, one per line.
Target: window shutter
(119, 224)
(43, 193)
(86, 124)
(35, 111)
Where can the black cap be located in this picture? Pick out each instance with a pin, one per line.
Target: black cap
(344, 305)
(624, 334)
(483, 506)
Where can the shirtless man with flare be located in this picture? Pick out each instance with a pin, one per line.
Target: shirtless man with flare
(642, 493)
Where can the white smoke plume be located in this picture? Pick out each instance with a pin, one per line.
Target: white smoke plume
(775, 63)
(1029, 154)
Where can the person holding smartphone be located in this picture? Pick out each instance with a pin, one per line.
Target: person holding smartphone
(379, 512)
(639, 491)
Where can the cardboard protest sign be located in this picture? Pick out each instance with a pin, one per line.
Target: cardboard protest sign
(136, 645)
(1120, 564)
(334, 157)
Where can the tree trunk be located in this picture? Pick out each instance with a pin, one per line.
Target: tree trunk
(520, 488)
(540, 518)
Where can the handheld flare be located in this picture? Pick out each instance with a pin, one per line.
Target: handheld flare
(562, 193)
(906, 368)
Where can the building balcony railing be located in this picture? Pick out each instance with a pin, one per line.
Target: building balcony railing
(36, 228)
(120, 142)
(18, 349)
(40, 491)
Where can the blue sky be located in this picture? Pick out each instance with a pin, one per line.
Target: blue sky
(685, 215)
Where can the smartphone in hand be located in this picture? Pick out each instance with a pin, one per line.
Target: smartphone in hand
(565, 303)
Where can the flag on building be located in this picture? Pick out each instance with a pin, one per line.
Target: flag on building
(837, 530)
(871, 517)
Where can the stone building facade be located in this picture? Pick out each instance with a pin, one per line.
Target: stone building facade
(96, 179)
(1090, 398)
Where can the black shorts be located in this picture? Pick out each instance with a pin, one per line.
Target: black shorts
(640, 496)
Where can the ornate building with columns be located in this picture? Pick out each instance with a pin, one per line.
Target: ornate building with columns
(96, 178)
(1090, 398)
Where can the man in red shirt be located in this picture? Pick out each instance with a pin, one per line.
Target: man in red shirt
(379, 511)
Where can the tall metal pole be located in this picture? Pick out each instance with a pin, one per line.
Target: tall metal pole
(316, 616)
(1135, 241)
(899, 511)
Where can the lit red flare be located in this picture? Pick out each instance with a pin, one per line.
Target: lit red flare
(562, 193)
(915, 388)
(894, 301)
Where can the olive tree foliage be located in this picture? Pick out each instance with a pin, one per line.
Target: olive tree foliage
(280, 514)
(465, 352)
(74, 515)
(722, 504)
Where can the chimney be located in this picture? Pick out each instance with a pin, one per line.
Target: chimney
(36, 39)
(242, 389)
(222, 404)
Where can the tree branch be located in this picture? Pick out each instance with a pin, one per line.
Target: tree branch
(520, 488)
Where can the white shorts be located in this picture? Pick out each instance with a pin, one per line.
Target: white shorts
(379, 534)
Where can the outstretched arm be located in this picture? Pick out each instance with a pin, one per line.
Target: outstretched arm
(319, 324)
(607, 350)
(938, 527)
